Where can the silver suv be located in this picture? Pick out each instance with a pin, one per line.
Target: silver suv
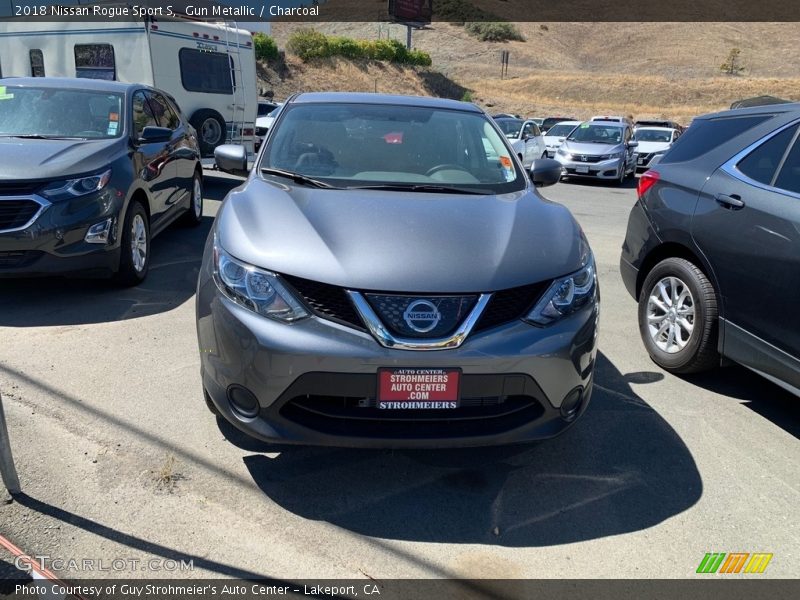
(381, 279)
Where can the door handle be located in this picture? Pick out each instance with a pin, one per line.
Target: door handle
(732, 202)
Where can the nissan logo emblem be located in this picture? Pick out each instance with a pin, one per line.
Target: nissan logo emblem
(422, 316)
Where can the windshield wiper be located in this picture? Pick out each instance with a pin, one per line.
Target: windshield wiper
(297, 178)
(422, 187)
(39, 136)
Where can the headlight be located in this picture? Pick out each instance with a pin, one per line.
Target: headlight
(256, 289)
(564, 153)
(71, 188)
(565, 296)
(612, 155)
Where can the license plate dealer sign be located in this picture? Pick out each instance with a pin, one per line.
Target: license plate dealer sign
(418, 389)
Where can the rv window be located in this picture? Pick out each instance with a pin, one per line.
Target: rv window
(209, 72)
(37, 63)
(95, 61)
(166, 116)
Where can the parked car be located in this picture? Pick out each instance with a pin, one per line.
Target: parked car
(556, 135)
(264, 122)
(599, 150)
(265, 107)
(379, 281)
(525, 138)
(505, 116)
(550, 121)
(712, 251)
(653, 143)
(90, 170)
(537, 120)
(657, 123)
(612, 119)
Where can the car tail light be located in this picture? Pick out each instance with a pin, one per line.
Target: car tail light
(646, 181)
(247, 131)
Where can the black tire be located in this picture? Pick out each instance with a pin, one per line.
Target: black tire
(619, 181)
(700, 350)
(211, 130)
(194, 215)
(210, 404)
(130, 272)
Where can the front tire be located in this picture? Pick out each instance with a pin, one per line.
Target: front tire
(194, 216)
(134, 260)
(678, 317)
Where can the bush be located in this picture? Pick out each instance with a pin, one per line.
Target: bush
(265, 47)
(342, 46)
(495, 31)
(308, 44)
(467, 97)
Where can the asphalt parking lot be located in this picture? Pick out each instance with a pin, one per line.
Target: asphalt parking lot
(119, 457)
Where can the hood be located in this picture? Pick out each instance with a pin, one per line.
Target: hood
(590, 149)
(648, 147)
(398, 241)
(25, 159)
(553, 140)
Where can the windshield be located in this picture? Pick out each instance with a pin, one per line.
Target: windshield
(596, 133)
(560, 130)
(509, 127)
(265, 108)
(357, 145)
(52, 112)
(653, 135)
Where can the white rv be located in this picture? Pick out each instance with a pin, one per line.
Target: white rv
(208, 68)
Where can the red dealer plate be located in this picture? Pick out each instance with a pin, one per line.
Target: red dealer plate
(418, 388)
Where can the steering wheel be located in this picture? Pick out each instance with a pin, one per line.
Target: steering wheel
(444, 166)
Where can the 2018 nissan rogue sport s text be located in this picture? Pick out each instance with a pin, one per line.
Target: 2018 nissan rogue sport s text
(389, 276)
(90, 170)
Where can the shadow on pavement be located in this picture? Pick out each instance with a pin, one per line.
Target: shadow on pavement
(757, 393)
(621, 468)
(175, 262)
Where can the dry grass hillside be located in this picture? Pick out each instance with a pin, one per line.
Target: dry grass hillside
(644, 69)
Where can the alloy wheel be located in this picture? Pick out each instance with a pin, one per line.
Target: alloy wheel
(138, 243)
(670, 314)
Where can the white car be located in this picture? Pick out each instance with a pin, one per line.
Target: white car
(653, 142)
(556, 134)
(525, 138)
(263, 123)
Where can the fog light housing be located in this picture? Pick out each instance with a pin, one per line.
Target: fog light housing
(243, 402)
(571, 405)
(99, 232)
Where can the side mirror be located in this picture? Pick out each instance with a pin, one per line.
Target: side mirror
(231, 158)
(562, 140)
(152, 134)
(545, 171)
(633, 144)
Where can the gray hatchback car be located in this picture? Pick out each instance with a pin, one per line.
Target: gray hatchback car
(389, 276)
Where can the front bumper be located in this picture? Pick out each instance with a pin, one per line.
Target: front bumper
(54, 244)
(604, 169)
(315, 381)
(643, 161)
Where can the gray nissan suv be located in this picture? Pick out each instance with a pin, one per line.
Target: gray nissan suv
(388, 276)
